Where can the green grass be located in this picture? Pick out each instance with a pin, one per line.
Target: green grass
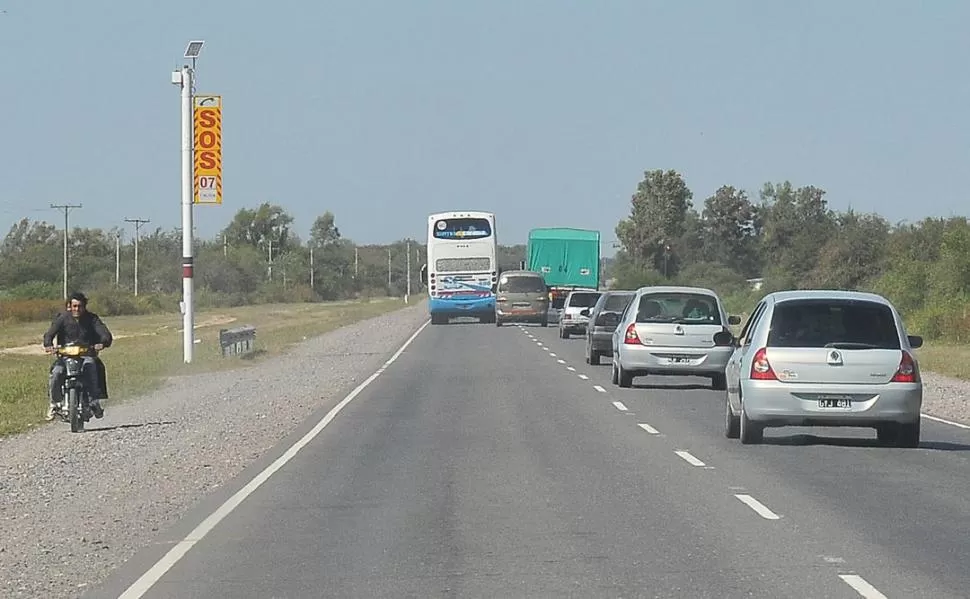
(944, 358)
(151, 350)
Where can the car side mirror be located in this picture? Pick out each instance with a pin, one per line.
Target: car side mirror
(424, 274)
(723, 339)
(584, 312)
(734, 319)
(915, 341)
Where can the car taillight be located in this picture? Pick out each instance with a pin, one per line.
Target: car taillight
(631, 337)
(760, 367)
(907, 371)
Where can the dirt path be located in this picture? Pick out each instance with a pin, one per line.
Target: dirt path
(36, 349)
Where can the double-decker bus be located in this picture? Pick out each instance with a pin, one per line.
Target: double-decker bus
(461, 272)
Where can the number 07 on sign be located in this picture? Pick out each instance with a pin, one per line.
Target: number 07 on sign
(207, 126)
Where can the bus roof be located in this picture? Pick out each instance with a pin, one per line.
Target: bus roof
(462, 214)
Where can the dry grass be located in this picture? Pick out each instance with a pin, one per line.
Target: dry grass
(943, 358)
(149, 348)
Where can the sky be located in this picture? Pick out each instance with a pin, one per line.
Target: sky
(546, 112)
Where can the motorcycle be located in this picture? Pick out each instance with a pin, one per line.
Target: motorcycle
(77, 396)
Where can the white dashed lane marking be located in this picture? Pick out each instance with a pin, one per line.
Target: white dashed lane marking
(584, 377)
(862, 586)
(687, 457)
(758, 507)
(648, 428)
(600, 389)
(619, 406)
(561, 361)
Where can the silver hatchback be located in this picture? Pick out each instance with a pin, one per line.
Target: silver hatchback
(824, 358)
(670, 331)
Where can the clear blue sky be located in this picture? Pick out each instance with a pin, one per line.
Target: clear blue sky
(546, 112)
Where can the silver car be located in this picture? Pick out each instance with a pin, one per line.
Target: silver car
(603, 318)
(824, 358)
(670, 331)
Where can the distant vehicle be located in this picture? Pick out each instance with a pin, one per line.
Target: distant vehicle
(461, 272)
(568, 259)
(603, 318)
(824, 358)
(571, 319)
(521, 296)
(670, 331)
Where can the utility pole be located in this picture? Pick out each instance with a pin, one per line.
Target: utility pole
(407, 294)
(311, 269)
(355, 263)
(388, 271)
(138, 223)
(66, 208)
(118, 259)
(225, 246)
(270, 259)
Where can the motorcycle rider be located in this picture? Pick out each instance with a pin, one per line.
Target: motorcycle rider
(76, 325)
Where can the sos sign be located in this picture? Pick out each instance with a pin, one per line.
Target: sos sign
(207, 128)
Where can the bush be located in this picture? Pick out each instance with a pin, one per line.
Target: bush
(29, 310)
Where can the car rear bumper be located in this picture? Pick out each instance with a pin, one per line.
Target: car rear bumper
(520, 315)
(661, 360)
(774, 403)
(601, 340)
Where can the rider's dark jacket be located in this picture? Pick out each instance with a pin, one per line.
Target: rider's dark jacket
(87, 329)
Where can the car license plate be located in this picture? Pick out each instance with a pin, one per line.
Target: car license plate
(834, 402)
(680, 359)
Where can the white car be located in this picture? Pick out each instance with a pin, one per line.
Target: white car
(571, 319)
(824, 358)
(670, 331)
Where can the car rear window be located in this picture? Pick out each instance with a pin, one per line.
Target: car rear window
(845, 324)
(580, 299)
(680, 308)
(522, 284)
(617, 302)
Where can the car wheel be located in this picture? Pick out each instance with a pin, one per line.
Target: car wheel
(613, 375)
(907, 435)
(751, 432)
(625, 378)
(594, 357)
(732, 422)
(719, 382)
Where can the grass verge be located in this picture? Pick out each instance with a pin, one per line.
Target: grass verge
(946, 359)
(148, 349)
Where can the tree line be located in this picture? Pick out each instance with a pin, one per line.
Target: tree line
(256, 258)
(789, 238)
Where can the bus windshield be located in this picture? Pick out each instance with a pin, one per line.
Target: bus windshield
(462, 228)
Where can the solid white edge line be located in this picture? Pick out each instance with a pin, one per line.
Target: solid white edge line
(945, 421)
(688, 457)
(619, 406)
(758, 507)
(155, 573)
(600, 389)
(648, 428)
(862, 586)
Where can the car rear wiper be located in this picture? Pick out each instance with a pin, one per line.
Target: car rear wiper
(852, 345)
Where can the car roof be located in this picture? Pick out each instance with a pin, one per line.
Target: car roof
(675, 289)
(521, 273)
(837, 294)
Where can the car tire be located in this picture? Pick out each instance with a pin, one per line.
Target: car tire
(732, 422)
(907, 435)
(625, 378)
(613, 374)
(594, 357)
(719, 382)
(751, 432)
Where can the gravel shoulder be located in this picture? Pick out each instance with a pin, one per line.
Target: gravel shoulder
(148, 461)
(946, 397)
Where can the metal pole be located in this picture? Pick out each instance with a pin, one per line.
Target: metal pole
(66, 208)
(407, 294)
(188, 145)
(388, 271)
(118, 260)
(355, 264)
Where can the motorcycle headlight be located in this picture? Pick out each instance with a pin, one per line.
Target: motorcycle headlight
(73, 367)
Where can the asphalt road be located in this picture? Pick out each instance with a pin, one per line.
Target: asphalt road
(493, 462)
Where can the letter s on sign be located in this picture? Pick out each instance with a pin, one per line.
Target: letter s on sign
(207, 159)
(207, 117)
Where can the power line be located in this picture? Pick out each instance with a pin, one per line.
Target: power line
(67, 209)
(138, 223)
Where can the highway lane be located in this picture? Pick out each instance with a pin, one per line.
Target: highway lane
(477, 465)
(902, 516)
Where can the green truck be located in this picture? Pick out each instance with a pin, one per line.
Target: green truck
(567, 259)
